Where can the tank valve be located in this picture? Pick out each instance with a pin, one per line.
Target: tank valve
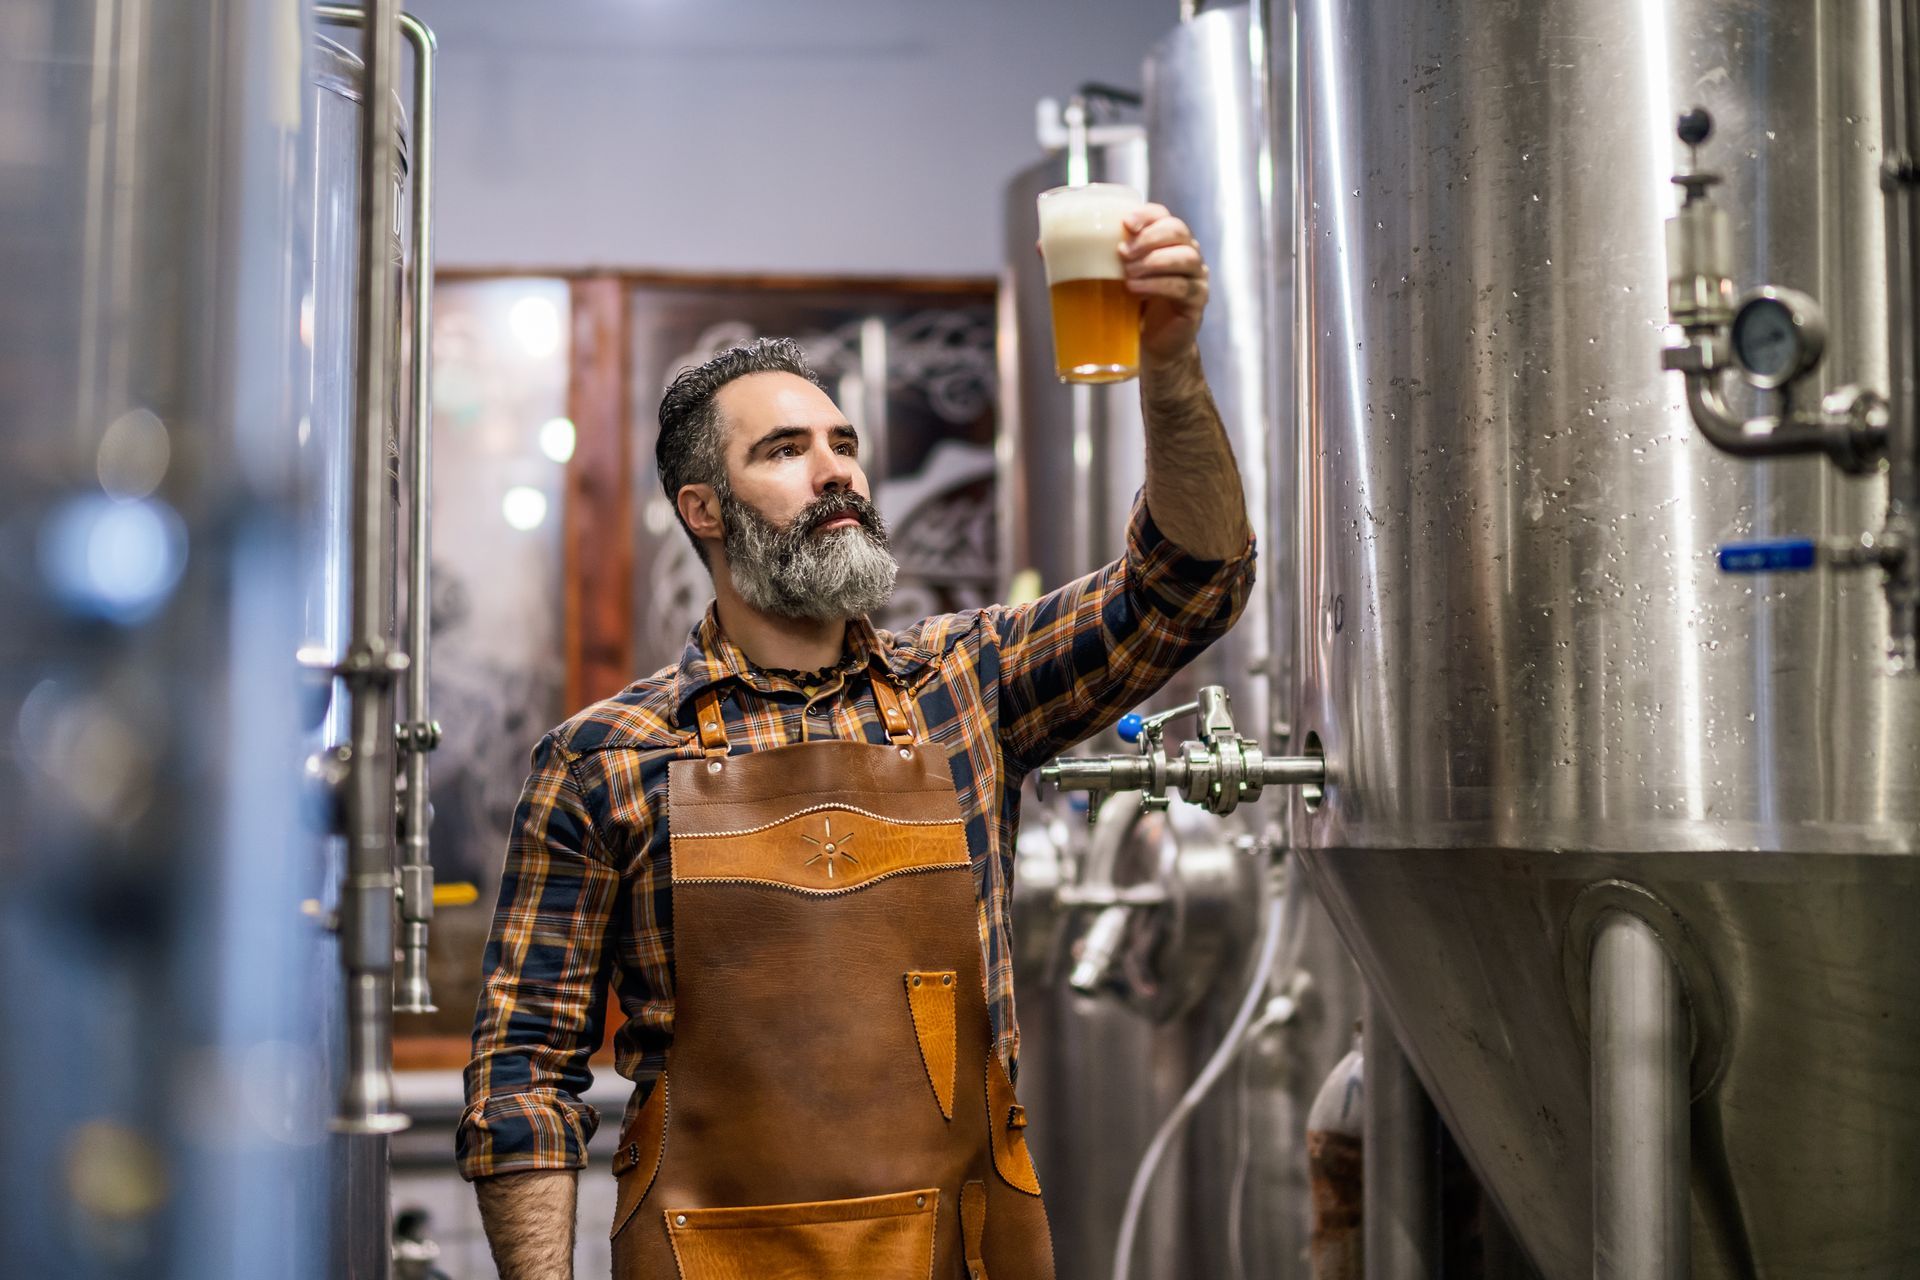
(1776, 337)
(1219, 771)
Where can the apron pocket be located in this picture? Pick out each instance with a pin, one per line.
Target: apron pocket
(1007, 1123)
(872, 1238)
(642, 1147)
(930, 1003)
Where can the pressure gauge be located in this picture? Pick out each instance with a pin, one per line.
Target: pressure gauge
(1778, 335)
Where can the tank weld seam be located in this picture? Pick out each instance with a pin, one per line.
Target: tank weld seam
(818, 808)
(825, 893)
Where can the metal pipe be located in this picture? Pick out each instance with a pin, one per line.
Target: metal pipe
(1900, 176)
(1400, 1214)
(1851, 441)
(1078, 154)
(1642, 1221)
(873, 398)
(370, 665)
(420, 734)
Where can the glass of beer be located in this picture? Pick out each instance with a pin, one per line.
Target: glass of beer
(1096, 322)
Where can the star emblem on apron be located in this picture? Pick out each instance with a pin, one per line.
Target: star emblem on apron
(830, 846)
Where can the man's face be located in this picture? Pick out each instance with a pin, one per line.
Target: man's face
(786, 444)
(802, 538)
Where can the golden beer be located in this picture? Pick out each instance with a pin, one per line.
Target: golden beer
(1096, 321)
(1096, 331)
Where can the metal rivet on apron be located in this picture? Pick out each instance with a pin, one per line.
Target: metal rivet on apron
(679, 1219)
(919, 1202)
(916, 979)
(946, 980)
(906, 753)
(714, 766)
(711, 726)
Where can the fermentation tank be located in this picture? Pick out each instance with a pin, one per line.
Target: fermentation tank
(1540, 703)
(1217, 109)
(165, 1091)
(1106, 1056)
(1095, 1076)
(179, 504)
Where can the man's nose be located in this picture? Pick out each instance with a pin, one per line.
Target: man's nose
(836, 471)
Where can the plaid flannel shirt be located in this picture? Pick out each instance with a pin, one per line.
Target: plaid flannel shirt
(586, 895)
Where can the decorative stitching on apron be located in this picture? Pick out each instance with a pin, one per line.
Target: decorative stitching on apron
(822, 808)
(828, 893)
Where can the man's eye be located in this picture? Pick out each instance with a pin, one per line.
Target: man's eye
(784, 450)
(849, 450)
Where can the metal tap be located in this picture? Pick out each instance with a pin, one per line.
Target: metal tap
(1219, 771)
(1777, 336)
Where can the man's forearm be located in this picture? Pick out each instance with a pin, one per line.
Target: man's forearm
(529, 1221)
(1193, 486)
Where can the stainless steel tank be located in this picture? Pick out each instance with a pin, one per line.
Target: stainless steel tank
(1100, 1074)
(1220, 159)
(1096, 1076)
(165, 1089)
(1525, 672)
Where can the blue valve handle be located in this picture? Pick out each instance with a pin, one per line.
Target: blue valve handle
(1781, 555)
(1130, 726)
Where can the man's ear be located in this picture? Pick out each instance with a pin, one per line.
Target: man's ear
(699, 506)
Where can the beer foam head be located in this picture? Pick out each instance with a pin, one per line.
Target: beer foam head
(1080, 230)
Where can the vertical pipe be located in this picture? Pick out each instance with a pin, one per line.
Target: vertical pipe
(1087, 507)
(415, 994)
(367, 898)
(1400, 1217)
(1271, 40)
(873, 398)
(1642, 1223)
(1900, 179)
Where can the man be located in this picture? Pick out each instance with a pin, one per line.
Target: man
(792, 851)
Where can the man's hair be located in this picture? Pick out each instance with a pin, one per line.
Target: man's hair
(690, 449)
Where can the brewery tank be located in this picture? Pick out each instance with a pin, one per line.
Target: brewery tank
(170, 1116)
(1537, 697)
(1216, 108)
(1095, 1075)
(1101, 1074)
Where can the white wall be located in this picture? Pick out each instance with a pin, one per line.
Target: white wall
(856, 136)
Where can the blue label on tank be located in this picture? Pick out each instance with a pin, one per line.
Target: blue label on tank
(1786, 556)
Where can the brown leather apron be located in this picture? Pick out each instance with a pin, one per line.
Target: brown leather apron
(832, 1107)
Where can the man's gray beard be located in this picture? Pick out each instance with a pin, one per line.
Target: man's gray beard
(792, 572)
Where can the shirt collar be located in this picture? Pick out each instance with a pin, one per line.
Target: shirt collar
(711, 658)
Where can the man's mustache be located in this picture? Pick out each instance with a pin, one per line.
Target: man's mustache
(834, 505)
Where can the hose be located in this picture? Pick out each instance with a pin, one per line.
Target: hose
(1216, 1066)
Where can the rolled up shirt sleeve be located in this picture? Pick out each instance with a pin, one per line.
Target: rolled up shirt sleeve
(544, 987)
(1077, 659)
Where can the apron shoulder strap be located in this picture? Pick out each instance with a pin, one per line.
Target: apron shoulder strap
(893, 712)
(712, 726)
